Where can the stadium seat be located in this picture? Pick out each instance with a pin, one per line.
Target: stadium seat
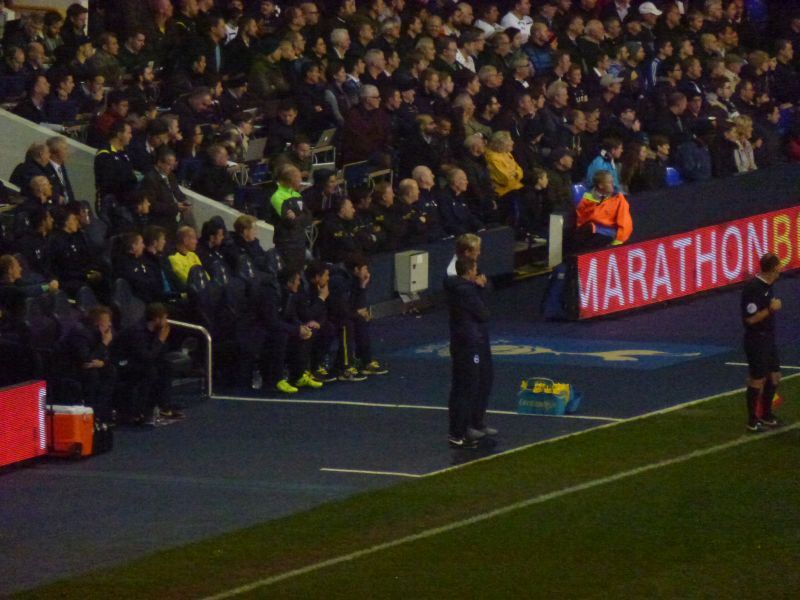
(204, 298)
(578, 190)
(85, 299)
(188, 170)
(63, 311)
(606, 231)
(128, 309)
(6, 237)
(673, 178)
(44, 330)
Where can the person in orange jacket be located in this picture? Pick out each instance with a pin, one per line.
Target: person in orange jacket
(603, 215)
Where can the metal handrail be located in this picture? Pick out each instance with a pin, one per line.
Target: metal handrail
(209, 358)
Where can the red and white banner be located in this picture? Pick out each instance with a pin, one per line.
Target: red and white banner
(22, 426)
(626, 277)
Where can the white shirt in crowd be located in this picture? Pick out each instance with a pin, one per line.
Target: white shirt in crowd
(522, 23)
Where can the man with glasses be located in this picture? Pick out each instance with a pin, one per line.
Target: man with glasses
(366, 130)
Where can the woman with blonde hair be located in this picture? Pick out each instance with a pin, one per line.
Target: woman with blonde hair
(744, 154)
(506, 174)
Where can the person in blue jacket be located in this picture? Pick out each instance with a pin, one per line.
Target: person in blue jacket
(472, 372)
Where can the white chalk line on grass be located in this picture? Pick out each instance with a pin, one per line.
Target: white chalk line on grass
(428, 533)
(400, 406)
(365, 472)
(647, 415)
(742, 364)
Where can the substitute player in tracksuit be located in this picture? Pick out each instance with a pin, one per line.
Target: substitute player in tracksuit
(759, 306)
(471, 356)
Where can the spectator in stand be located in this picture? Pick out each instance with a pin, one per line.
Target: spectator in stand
(105, 62)
(133, 215)
(132, 56)
(323, 195)
(37, 163)
(603, 215)
(169, 205)
(213, 180)
(559, 190)
(34, 245)
(61, 106)
(298, 154)
(34, 106)
(113, 171)
(292, 218)
(336, 96)
(786, 79)
(14, 289)
(83, 371)
(480, 195)
(282, 131)
(610, 152)
(507, 176)
(339, 235)
(387, 216)
(634, 175)
(519, 17)
(211, 247)
(366, 134)
(415, 220)
(456, 215)
(656, 165)
(316, 113)
(73, 263)
(74, 29)
(429, 202)
(117, 111)
(184, 257)
(745, 156)
(420, 148)
(131, 266)
(488, 19)
(38, 196)
(245, 242)
(143, 146)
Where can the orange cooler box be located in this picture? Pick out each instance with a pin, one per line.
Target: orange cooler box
(70, 430)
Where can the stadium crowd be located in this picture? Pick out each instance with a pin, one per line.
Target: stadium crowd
(482, 113)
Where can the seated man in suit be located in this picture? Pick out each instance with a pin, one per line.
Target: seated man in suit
(168, 203)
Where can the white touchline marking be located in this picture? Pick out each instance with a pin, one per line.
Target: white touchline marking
(364, 472)
(740, 364)
(646, 415)
(540, 499)
(406, 406)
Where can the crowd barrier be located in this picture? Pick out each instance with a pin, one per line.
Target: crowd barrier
(692, 239)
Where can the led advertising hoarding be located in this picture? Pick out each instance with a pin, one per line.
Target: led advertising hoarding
(22, 427)
(626, 277)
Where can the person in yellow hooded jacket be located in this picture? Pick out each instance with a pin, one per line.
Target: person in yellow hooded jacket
(603, 215)
(506, 174)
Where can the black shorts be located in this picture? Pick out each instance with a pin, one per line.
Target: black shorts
(762, 355)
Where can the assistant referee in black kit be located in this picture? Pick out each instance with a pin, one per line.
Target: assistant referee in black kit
(759, 306)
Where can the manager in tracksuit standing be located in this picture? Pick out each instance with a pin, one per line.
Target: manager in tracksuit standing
(470, 354)
(759, 306)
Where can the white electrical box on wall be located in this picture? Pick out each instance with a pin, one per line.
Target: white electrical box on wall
(411, 271)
